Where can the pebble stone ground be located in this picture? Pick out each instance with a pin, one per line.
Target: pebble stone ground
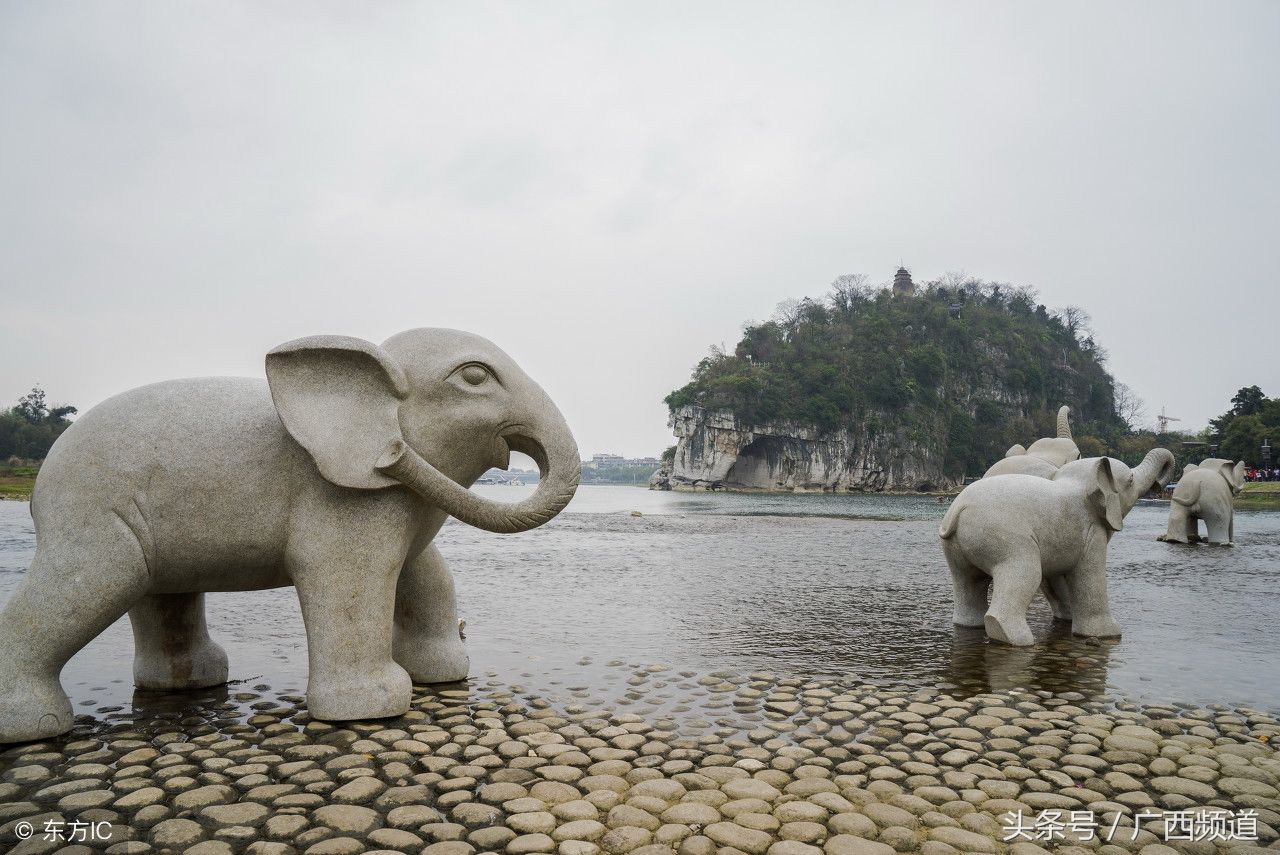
(753, 763)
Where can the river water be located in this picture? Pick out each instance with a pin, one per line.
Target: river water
(850, 586)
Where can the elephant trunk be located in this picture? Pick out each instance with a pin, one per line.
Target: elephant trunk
(552, 449)
(1156, 468)
(1064, 423)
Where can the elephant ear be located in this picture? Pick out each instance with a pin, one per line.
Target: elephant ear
(1015, 451)
(1234, 476)
(339, 397)
(1104, 496)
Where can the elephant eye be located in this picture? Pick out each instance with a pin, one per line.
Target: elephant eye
(475, 374)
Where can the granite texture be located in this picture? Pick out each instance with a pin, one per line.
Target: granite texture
(333, 476)
(1014, 533)
(1045, 456)
(1205, 492)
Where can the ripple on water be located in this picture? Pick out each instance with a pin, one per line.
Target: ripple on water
(809, 584)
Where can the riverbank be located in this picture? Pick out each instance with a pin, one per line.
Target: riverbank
(754, 763)
(17, 482)
(1260, 496)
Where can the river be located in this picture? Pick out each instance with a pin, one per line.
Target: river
(852, 586)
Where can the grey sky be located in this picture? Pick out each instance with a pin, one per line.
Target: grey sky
(607, 189)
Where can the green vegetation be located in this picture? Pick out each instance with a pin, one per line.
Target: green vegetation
(16, 482)
(970, 366)
(27, 431)
(617, 475)
(1260, 496)
(1241, 430)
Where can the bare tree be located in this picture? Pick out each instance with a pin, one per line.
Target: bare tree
(847, 290)
(958, 280)
(787, 312)
(1129, 407)
(1076, 320)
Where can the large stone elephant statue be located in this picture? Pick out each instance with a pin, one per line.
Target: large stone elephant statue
(1205, 492)
(332, 476)
(1045, 456)
(1010, 533)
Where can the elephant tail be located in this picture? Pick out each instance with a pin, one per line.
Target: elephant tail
(950, 522)
(1187, 493)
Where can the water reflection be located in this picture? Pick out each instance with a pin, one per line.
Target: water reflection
(1060, 662)
(808, 585)
(207, 702)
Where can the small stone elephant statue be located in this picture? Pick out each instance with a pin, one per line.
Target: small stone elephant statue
(1045, 456)
(1205, 492)
(333, 475)
(1011, 533)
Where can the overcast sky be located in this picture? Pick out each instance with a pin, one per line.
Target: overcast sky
(605, 190)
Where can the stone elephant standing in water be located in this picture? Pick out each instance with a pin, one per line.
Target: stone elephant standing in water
(1011, 533)
(1043, 459)
(1045, 456)
(1205, 492)
(332, 476)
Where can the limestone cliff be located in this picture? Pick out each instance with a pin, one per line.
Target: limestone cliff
(715, 451)
(876, 390)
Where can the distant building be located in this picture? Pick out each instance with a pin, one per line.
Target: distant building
(609, 461)
(600, 461)
(902, 284)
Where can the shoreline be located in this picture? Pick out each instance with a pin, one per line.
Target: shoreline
(756, 763)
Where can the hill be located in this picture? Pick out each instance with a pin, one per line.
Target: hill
(929, 384)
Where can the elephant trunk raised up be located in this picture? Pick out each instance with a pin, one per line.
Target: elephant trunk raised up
(551, 447)
(1155, 469)
(1064, 422)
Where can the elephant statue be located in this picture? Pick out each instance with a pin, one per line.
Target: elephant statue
(333, 476)
(1204, 493)
(1015, 532)
(1045, 456)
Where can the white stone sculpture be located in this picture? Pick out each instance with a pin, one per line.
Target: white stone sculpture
(1010, 533)
(333, 476)
(1205, 492)
(1045, 456)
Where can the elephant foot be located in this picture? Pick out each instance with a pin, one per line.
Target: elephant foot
(1015, 632)
(434, 660)
(33, 708)
(199, 667)
(378, 692)
(1096, 628)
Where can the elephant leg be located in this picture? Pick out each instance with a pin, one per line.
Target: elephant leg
(1218, 528)
(78, 585)
(348, 616)
(344, 559)
(1090, 606)
(171, 644)
(1055, 591)
(1193, 528)
(1182, 525)
(971, 587)
(426, 641)
(1015, 583)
